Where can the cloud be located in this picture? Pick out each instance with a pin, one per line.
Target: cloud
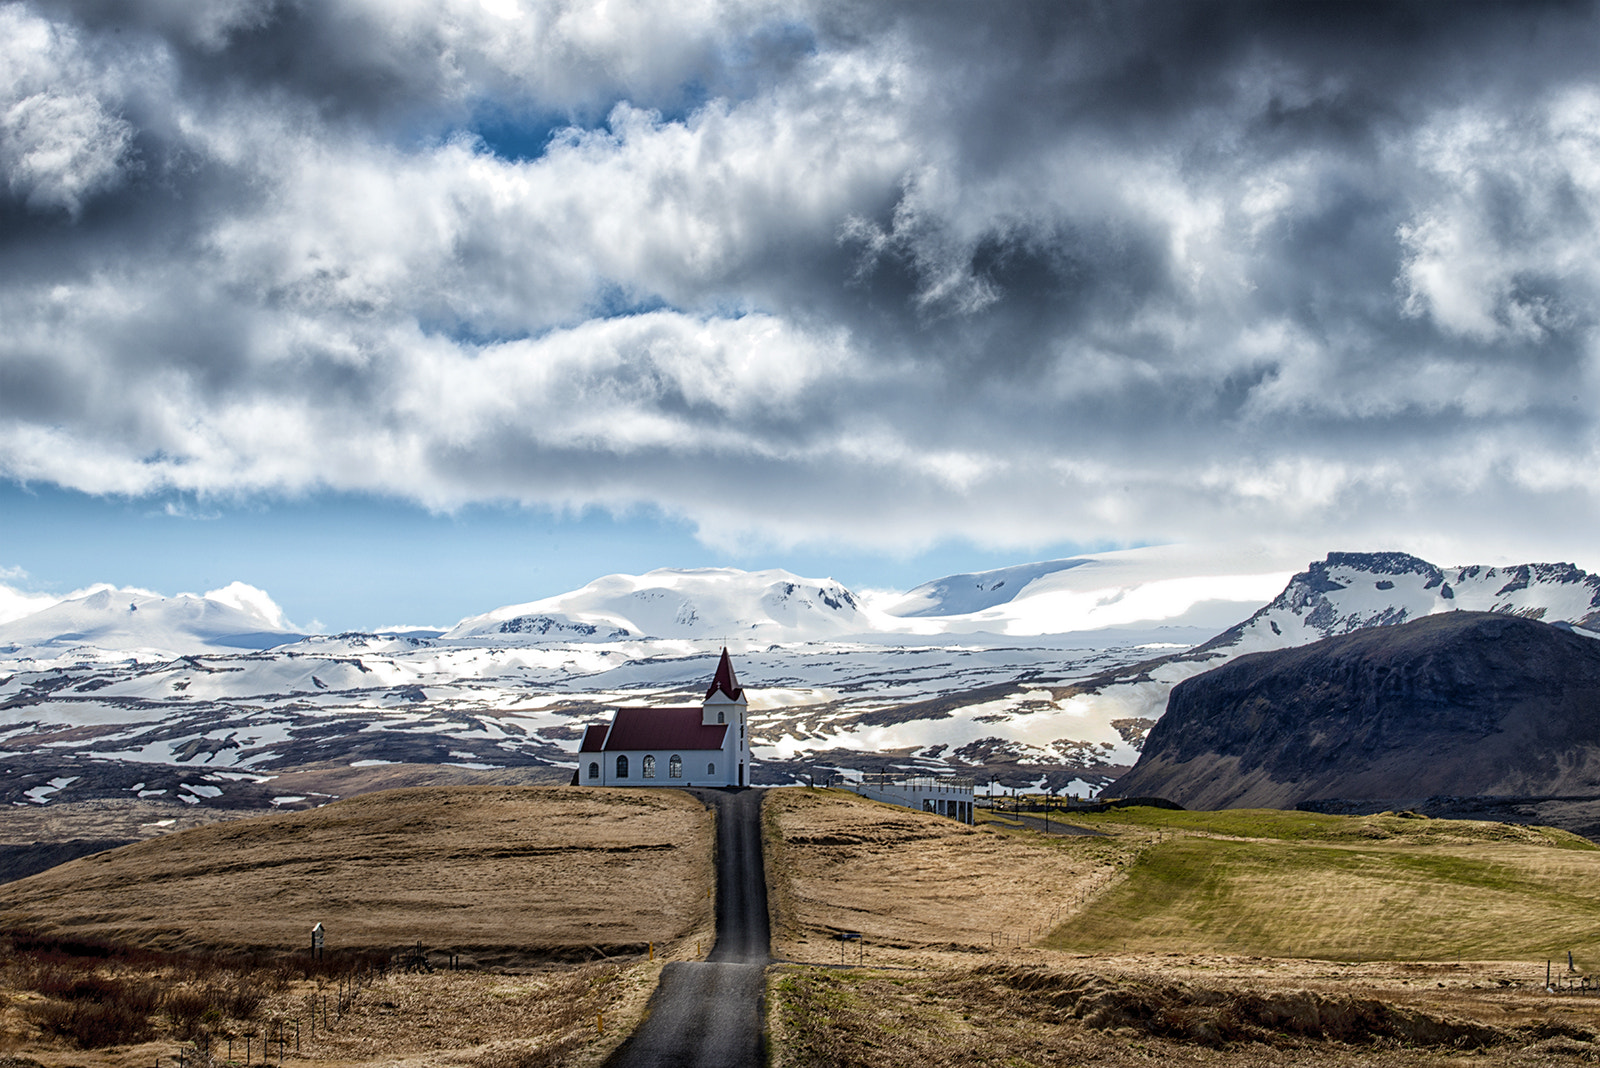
(15, 603)
(879, 275)
(253, 601)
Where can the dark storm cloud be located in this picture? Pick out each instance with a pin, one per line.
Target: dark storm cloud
(1025, 273)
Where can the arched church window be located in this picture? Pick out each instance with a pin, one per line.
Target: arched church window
(721, 717)
(649, 770)
(594, 770)
(675, 767)
(622, 767)
(711, 767)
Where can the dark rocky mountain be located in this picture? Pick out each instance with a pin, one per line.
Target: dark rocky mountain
(1459, 703)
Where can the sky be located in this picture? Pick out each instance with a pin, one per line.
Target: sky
(403, 309)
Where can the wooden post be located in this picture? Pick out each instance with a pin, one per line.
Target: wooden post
(600, 1022)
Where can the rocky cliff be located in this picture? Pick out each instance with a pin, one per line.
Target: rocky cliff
(1459, 703)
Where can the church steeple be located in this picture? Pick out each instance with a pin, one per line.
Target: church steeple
(725, 681)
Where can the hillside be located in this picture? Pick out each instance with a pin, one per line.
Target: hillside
(703, 602)
(500, 875)
(1208, 938)
(1462, 703)
(1341, 594)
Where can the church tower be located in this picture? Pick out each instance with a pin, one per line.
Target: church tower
(725, 703)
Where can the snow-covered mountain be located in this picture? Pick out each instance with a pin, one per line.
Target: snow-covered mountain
(1347, 592)
(1193, 590)
(1040, 672)
(1352, 591)
(232, 618)
(707, 602)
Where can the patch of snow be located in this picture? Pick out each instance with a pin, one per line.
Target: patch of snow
(40, 795)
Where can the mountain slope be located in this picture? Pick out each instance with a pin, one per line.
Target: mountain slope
(679, 603)
(1460, 703)
(1350, 591)
(236, 617)
(1344, 593)
(1186, 592)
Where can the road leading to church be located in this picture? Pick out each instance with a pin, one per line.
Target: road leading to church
(708, 1014)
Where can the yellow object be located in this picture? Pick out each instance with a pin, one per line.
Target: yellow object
(600, 1022)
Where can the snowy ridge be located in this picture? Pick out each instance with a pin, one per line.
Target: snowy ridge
(1192, 592)
(232, 618)
(1347, 592)
(1351, 591)
(679, 603)
(956, 595)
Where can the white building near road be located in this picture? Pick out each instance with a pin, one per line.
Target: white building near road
(951, 797)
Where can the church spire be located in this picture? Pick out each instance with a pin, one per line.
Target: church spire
(724, 679)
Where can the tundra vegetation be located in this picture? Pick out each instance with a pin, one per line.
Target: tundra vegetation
(1237, 937)
(548, 902)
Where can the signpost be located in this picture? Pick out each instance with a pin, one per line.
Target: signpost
(316, 942)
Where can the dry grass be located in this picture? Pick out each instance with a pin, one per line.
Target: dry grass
(510, 879)
(918, 887)
(126, 1008)
(1223, 915)
(1041, 1015)
(1445, 891)
(501, 875)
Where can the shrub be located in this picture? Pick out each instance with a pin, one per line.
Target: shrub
(187, 1008)
(92, 1024)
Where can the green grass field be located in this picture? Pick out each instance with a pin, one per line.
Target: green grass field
(1294, 884)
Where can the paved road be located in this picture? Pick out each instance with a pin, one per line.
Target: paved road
(1055, 826)
(708, 1014)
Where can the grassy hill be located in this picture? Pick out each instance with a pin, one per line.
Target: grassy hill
(503, 875)
(1295, 884)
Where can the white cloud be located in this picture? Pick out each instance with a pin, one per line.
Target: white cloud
(249, 599)
(15, 603)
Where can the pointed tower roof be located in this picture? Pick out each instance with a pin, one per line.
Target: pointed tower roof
(724, 680)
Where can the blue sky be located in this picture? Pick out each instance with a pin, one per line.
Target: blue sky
(429, 301)
(349, 563)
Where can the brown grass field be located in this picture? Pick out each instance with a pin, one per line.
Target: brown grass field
(1248, 938)
(522, 885)
(504, 875)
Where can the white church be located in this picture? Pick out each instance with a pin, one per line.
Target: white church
(705, 746)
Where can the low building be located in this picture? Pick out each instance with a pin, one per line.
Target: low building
(704, 746)
(950, 797)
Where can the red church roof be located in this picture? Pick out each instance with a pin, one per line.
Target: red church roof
(724, 679)
(661, 729)
(594, 739)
